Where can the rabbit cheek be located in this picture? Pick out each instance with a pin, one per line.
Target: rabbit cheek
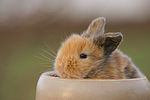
(71, 69)
(59, 67)
(59, 70)
(84, 68)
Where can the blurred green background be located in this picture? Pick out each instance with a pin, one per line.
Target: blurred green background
(26, 25)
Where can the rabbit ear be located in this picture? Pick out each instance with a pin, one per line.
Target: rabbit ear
(109, 42)
(95, 28)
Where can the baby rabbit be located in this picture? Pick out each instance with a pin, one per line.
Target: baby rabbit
(94, 55)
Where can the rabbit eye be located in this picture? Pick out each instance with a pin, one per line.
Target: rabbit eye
(83, 56)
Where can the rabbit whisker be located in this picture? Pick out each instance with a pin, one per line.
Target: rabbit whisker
(48, 53)
(48, 66)
(45, 57)
(49, 48)
(46, 63)
(42, 58)
(43, 71)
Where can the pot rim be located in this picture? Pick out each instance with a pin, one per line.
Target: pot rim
(49, 74)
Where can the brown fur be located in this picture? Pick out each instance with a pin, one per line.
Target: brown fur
(103, 60)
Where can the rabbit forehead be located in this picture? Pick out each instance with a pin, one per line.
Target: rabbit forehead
(75, 45)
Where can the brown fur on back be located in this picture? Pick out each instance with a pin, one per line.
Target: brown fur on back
(118, 66)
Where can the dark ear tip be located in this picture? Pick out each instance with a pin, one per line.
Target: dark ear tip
(119, 35)
(116, 37)
(113, 35)
(112, 40)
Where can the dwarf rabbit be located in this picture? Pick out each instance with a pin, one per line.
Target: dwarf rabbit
(94, 55)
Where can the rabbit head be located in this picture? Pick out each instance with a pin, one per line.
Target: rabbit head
(79, 55)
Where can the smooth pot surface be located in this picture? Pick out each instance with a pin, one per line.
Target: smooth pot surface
(55, 88)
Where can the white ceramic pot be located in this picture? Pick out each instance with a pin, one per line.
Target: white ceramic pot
(55, 88)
